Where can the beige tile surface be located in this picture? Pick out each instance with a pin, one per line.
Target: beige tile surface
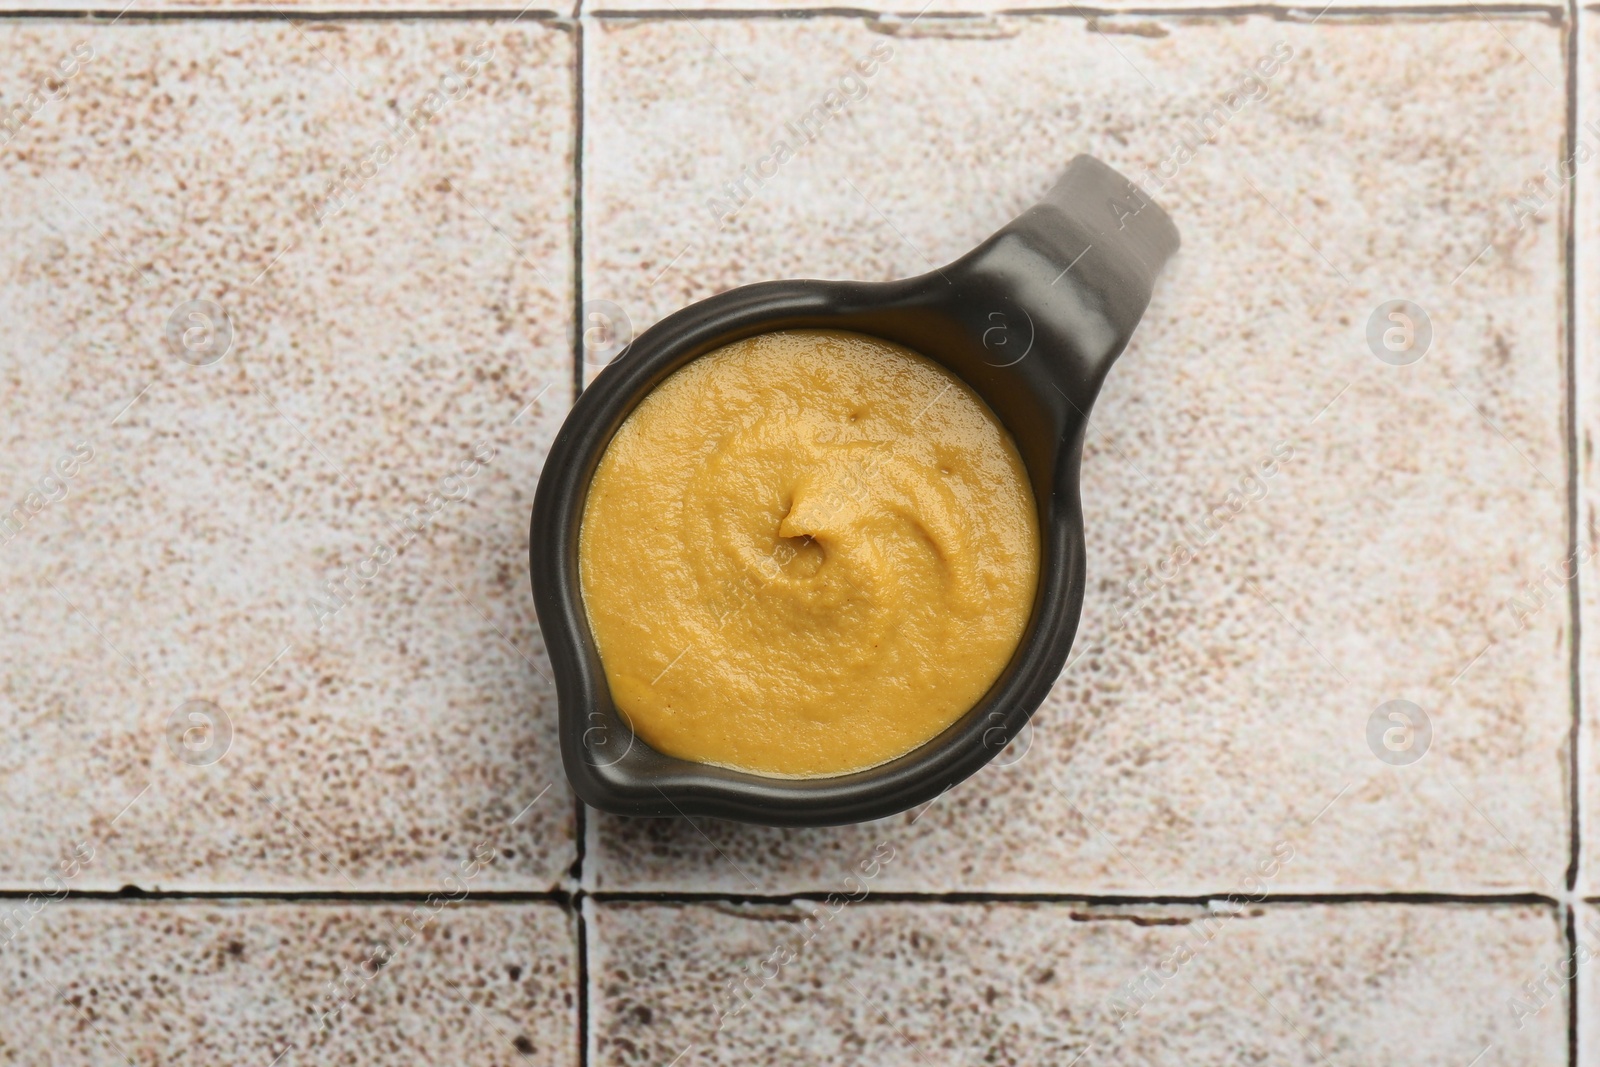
(242, 983)
(1008, 983)
(407, 744)
(371, 357)
(1234, 709)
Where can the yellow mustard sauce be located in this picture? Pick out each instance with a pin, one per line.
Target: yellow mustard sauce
(806, 553)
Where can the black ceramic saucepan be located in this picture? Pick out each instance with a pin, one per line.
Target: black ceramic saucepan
(1031, 319)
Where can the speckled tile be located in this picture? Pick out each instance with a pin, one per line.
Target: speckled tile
(1034, 984)
(373, 352)
(309, 983)
(1234, 708)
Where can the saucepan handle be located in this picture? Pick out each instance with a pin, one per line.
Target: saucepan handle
(1069, 278)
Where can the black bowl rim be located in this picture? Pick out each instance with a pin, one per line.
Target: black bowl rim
(652, 784)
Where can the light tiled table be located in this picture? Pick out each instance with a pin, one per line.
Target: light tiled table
(381, 861)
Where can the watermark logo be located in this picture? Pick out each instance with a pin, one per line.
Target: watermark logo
(1399, 733)
(54, 87)
(50, 489)
(1125, 1004)
(15, 919)
(1016, 749)
(1546, 187)
(1011, 749)
(743, 988)
(1006, 341)
(597, 742)
(798, 132)
(340, 993)
(1399, 332)
(1202, 129)
(605, 330)
(199, 332)
(199, 733)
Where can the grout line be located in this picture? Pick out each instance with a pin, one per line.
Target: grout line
(591, 847)
(310, 14)
(1282, 12)
(1087, 900)
(579, 45)
(581, 814)
(573, 899)
(580, 918)
(580, 844)
(1575, 744)
(1573, 464)
(133, 894)
(580, 840)
(1570, 930)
